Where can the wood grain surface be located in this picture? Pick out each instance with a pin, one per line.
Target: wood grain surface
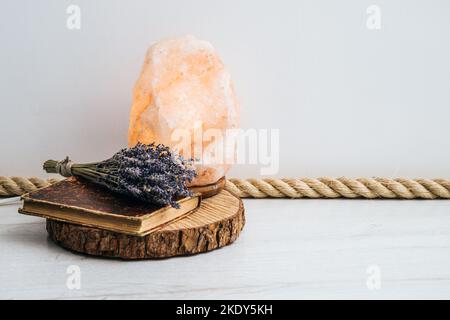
(289, 249)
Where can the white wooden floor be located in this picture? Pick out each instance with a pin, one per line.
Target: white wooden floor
(298, 249)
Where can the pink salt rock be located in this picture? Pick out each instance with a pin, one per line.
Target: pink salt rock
(183, 91)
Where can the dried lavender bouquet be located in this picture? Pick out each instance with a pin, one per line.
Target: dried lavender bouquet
(151, 173)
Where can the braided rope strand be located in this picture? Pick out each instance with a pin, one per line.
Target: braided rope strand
(16, 186)
(369, 188)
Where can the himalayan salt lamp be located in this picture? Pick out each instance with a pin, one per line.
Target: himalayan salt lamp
(184, 99)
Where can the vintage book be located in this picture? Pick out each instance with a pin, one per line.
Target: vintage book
(84, 203)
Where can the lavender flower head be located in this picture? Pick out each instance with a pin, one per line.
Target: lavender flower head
(150, 173)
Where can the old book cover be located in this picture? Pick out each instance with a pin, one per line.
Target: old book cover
(84, 203)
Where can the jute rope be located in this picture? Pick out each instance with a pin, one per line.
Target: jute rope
(370, 188)
(16, 186)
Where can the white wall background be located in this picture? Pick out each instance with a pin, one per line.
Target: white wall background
(348, 100)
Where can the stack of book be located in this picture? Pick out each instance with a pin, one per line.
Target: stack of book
(84, 203)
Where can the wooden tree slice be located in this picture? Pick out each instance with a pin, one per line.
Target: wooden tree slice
(217, 223)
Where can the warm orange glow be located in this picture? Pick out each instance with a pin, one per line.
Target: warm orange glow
(184, 89)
